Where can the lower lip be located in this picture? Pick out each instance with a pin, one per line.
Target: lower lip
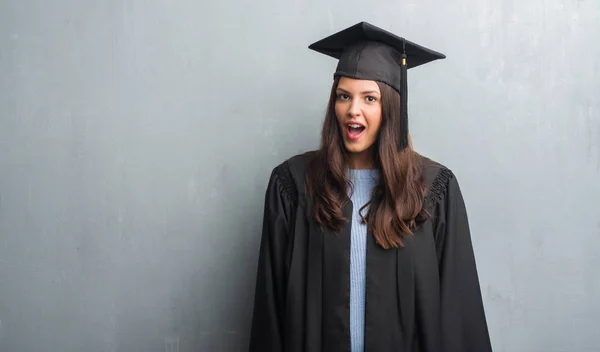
(354, 137)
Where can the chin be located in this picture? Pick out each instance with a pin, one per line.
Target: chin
(355, 149)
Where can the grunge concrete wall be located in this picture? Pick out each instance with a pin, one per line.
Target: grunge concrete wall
(137, 137)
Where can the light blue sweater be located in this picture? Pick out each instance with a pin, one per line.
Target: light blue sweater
(363, 183)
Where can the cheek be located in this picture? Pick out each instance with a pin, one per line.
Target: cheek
(374, 120)
(339, 112)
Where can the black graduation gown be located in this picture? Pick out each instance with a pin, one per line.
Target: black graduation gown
(423, 297)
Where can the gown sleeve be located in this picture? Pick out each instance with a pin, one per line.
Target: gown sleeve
(464, 326)
(270, 292)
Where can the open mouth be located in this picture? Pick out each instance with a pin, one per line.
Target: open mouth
(355, 130)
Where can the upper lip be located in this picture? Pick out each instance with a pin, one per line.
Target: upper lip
(354, 123)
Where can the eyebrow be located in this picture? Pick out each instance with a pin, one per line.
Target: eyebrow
(365, 92)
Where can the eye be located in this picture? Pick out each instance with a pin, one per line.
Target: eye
(371, 99)
(343, 96)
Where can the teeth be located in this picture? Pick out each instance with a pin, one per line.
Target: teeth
(354, 125)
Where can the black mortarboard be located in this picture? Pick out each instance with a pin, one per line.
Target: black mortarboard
(365, 51)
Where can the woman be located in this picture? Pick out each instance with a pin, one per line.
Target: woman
(366, 244)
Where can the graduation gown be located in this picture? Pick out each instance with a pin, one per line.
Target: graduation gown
(423, 297)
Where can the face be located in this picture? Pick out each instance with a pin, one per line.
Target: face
(358, 112)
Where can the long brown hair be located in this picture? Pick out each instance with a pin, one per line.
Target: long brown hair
(397, 200)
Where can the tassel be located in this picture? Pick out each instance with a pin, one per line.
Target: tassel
(404, 103)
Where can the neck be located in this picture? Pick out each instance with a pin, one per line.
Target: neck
(361, 161)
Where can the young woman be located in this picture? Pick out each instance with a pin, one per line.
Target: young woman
(366, 244)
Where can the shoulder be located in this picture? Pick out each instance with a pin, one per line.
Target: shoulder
(294, 168)
(289, 174)
(298, 164)
(439, 178)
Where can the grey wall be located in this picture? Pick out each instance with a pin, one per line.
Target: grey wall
(136, 139)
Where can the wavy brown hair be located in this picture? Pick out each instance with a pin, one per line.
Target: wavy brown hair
(397, 200)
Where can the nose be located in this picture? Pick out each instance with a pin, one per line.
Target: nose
(353, 108)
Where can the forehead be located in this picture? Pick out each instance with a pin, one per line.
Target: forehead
(357, 85)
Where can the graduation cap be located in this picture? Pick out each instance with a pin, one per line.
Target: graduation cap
(368, 52)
